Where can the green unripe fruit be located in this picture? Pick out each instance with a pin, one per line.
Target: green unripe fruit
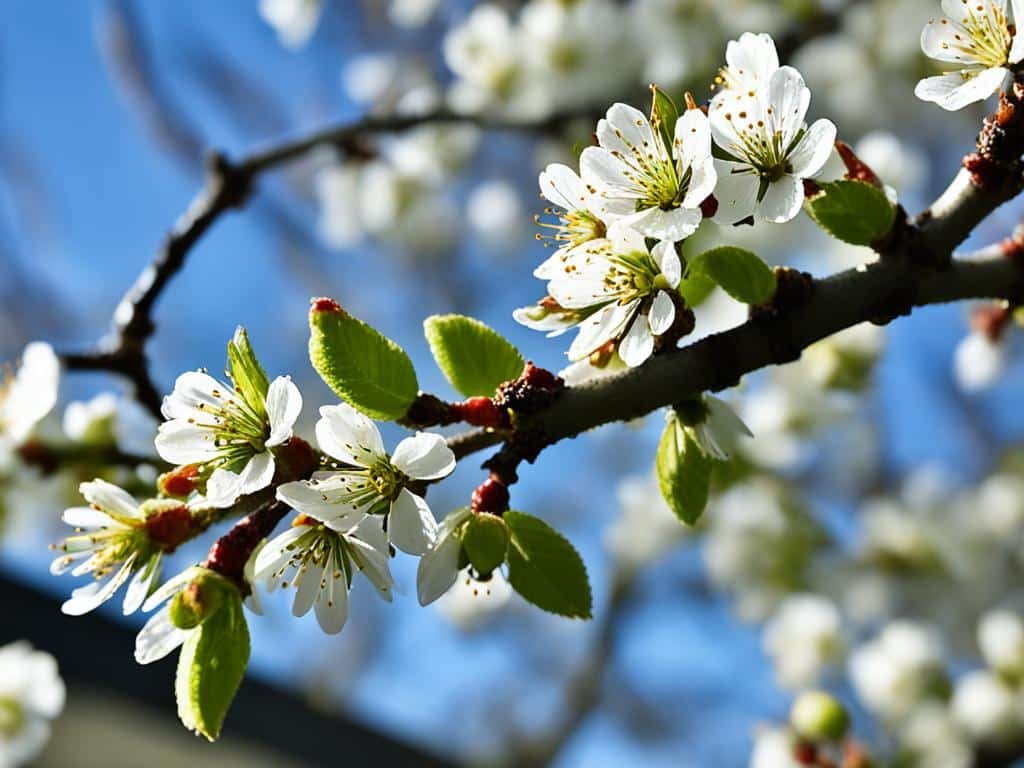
(817, 716)
(485, 542)
(198, 601)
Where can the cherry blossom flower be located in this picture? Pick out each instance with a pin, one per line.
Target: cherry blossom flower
(576, 221)
(645, 184)
(750, 62)
(978, 38)
(29, 394)
(376, 484)
(770, 149)
(31, 695)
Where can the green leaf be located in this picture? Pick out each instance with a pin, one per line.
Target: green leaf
(472, 356)
(664, 115)
(246, 372)
(485, 541)
(684, 472)
(852, 211)
(210, 668)
(545, 568)
(695, 287)
(363, 367)
(740, 273)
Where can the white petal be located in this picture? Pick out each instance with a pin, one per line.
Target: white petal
(33, 392)
(752, 56)
(782, 200)
(952, 92)
(814, 149)
(943, 40)
(561, 186)
(736, 191)
(275, 553)
(425, 456)
(1017, 48)
(725, 418)
(307, 583)
(601, 169)
(693, 138)
(158, 638)
(179, 442)
(663, 313)
(349, 436)
(667, 259)
(284, 404)
(675, 225)
(637, 345)
(332, 607)
(438, 570)
(326, 499)
(703, 179)
(169, 588)
(87, 517)
(110, 498)
(789, 97)
(91, 596)
(411, 526)
(60, 565)
(600, 328)
(370, 545)
(625, 129)
(195, 391)
(140, 586)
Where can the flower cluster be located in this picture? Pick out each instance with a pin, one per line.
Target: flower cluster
(655, 179)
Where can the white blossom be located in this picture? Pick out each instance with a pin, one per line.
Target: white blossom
(645, 184)
(112, 543)
(1001, 640)
(773, 748)
(803, 638)
(319, 559)
(376, 484)
(771, 149)
(293, 20)
(31, 695)
(750, 62)
(898, 669)
(574, 219)
(211, 424)
(29, 394)
(987, 707)
(979, 362)
(621, 292)
(979, 39)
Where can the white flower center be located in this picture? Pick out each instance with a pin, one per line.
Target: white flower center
(989, 36)
(653, 171)
(570, 228)
(761, 145)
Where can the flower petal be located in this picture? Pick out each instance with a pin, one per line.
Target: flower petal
(94, 594)
(814, 149)
(952, 92)
(425, 456)
(562, 186)
(349, 436)
(275, 553)
(736, 191)
(181, 442)
(663, 313)
(328, 499)
(438, 570)
(782, 200)
(411, 526)
(87, 517)
(169, 588)
(110, 498)
(284, 404)
(675, 225)
(307, 587)
(141, 585)
(637, 345)
(667, 259)
(332, 607)
(158, 638)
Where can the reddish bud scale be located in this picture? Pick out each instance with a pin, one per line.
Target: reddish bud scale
(231, 552)
(181, 482)
(480, 412)
(325, 305)
(856, 169)
(805, 753)
(38, 455)
(295, 460)
(811, 188)
(991, 320)
(170, 528)
(542, 378)
(490, 496)
(709, 207)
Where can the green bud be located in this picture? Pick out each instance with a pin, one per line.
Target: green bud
(199, 600)
(817, 716)
(485, 542)
(246, 372)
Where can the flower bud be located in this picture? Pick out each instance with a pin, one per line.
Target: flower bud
(485, 542)
(490, 496)
(198, 601)
(817, 716)
(179, 482)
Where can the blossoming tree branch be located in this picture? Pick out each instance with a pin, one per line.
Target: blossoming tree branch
(620, 274)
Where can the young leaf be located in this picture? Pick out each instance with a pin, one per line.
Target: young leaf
(684, 472)
(472, 356)
(741, 274)
(246, 372)
(664, 115)
(852, 211)
(695, 287)
(545, 568)
(363, 367)
(211, 665)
